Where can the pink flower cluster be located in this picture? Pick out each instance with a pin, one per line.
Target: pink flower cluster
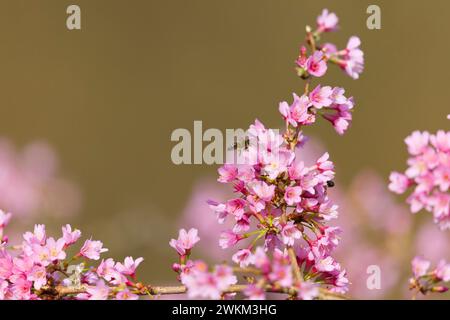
(274, 273)
(194, 274)
(204, 284)
(290, 207)
(277, 273)
(40, 268)
(428, 175)
(279, 199)
(329, 102)
(350, 59)
(426, 281)
(326, 101)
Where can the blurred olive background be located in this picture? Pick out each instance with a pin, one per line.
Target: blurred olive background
(108, 97)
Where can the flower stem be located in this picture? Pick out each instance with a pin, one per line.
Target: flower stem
(295, 267)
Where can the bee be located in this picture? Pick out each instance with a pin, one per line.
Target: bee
(240, 145)
(330, 183)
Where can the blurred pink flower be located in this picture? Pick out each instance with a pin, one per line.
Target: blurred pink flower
(30, 183)
(197, 212)
(327, 21)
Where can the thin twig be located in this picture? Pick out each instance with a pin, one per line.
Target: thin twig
(295, 268)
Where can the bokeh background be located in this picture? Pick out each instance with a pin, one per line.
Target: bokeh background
(103, 101)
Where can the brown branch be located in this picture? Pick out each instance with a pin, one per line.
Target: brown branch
(246, 270)
(61, 291)
(295, 268)
(325, 294)
(166, 290)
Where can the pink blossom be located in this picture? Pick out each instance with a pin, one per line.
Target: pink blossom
(227, 173)
(399, 182)
(338, 96)
(242, 224)
(441, 209)
(327, 21)
(129, 266)
(277, 163)
(328, 211)
(37, 237)
(254, 292)
(107, 270)
(299, 110)
(442, 271)
(354, 57)
(224, 276)
(6, 264)
(325, 167)
(420, 266)
(301, 59)
(341, 281)
(98, 292)
(243, 257)
(255, 204)
(316, 64)
(203, 284)
(185, 242)
(260, 259)
(22, 266)
(285, 111)
(272, 242)
(441, 141)
(126, 295)
(292, 195)
(262, 190)
(340, 115)
(3, 289)
(329, 49)
(92, 249)
(289, 233)
(200, 283)
(320, 96)
(417, 142)
(228, 239)
(219, 209)
(297, 113)
(297, 170)
(325, 264)
(442, 178)
(236, 207)
(340, 121)
(330, 238)
(38, 275)
(56, 249)
(30, 183)
(40, 254)
(69, 236)
(282, 274)
(307, 290)
(21, 289)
